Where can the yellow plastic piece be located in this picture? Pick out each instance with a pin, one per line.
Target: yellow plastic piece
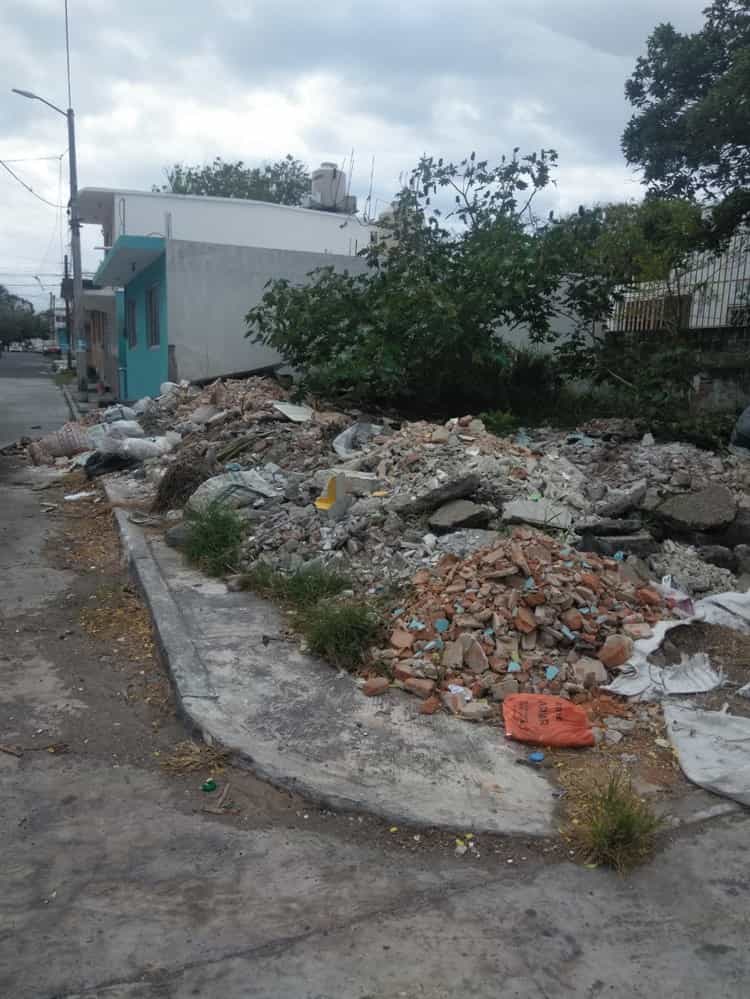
(328, 498)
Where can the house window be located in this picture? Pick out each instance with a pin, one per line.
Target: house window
(130, 330)
(153, 333)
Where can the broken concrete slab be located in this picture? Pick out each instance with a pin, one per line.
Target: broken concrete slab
(297, 414)
(708, 509)
(454, 489)
(619, 501)
(457, 514)
(601, 527)
(539, 513)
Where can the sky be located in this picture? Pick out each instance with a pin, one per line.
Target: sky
(155, 83)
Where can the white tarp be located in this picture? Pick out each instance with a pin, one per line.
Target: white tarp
(713, 748)
(694, 674)
(648, 682)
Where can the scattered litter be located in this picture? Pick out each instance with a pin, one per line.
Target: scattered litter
(74, 497)
(546, 720)
(209, 785)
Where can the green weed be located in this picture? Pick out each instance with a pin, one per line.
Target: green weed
(615, 827)
(301, 589)
(341, 632)
(214, 535)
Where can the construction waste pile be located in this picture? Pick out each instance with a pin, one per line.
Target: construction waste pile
(535, 559)
(535, 576)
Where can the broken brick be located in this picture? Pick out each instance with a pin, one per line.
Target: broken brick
(422, 688)
(375, 685)
(616, 650)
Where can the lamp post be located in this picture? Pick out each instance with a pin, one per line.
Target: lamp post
(75, 241)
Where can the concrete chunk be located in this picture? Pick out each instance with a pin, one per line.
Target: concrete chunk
(540, 513)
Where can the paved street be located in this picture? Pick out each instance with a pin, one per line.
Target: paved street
(116, 884)
(30, 403)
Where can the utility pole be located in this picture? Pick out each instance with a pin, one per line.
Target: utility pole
(68, 330)
(75, 247)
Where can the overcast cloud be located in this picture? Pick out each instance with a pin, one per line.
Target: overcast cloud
(154, 83)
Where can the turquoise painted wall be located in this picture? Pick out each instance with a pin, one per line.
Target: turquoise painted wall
(146, 367)
(122, 358)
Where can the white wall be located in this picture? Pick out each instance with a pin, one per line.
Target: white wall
(234, 222)
(210, 289)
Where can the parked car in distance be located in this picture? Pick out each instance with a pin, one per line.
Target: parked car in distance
(15, 348)
(51, 350)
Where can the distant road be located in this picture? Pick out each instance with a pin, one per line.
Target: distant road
(30, 403)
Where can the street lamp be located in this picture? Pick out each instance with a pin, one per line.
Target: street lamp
(75, 240)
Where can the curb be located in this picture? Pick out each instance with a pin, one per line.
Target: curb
(200, 705)
(71, 403)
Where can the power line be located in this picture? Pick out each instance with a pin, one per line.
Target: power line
(29, 189)
(36, 159)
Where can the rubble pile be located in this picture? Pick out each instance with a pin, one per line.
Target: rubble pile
(384, 501)
(526, 614)
(690, 572)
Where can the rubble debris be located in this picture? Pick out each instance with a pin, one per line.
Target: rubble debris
(541, 512)
(689, 571)
(350, 441)
(297, 414)
(180, 480)
(707, 509)
(455, 489)
(459, 513)
(526, 608)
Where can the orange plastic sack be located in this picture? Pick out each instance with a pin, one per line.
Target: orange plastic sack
(546, 720)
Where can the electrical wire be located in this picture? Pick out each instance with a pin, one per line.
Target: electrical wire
(29, 189)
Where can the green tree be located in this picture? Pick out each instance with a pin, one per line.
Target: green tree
(691, 95)
(459, 259)
(17, 318)
(285, 182)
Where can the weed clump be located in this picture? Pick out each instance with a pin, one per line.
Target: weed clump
(214, 535)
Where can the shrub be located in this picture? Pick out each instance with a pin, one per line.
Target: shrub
(615, 827)
(214, 535)
(341, 632)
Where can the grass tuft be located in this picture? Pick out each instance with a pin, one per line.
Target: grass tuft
(615, 827)
(342, 633)
(301, 589)
(214, 535)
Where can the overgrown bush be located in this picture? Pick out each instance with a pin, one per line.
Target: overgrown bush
(214, 535)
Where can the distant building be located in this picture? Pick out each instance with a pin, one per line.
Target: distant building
(191, 267)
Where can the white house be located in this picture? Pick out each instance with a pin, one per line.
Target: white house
(191, 267)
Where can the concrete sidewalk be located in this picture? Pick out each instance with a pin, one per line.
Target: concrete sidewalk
(303, 726)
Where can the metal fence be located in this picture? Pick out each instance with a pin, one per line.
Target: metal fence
(710, 294)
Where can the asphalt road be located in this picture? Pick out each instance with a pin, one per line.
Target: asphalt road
(31, 404)
(115, 884)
